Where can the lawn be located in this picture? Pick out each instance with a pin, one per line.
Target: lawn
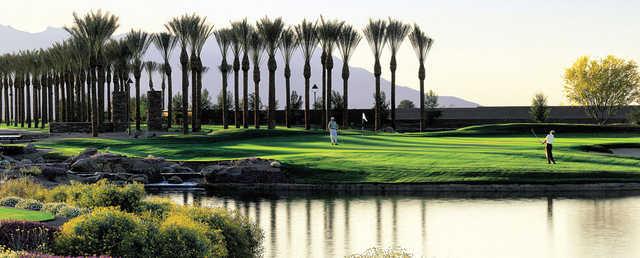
(491, 154)
(20, 214)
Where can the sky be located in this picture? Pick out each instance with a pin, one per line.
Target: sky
(496, 53)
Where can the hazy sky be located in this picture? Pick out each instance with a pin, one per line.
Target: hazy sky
(491, 52)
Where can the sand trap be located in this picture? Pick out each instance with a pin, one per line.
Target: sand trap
(627, 152)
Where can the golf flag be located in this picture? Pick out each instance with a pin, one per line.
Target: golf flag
(364, 117)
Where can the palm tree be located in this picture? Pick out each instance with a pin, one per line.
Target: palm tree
(271, 30)
(112, 51)
(348, 40)
(288, 44)
(138, 43)
(223, 37)
(421, 44)
(243, 31)
(199, 32)
(179, 27)
(307, 40)
(256, 47)
(328, 32)
(150, 67)
(396, 33)
(165, 43)
(375, 32)
(236, 47)
(94, 29)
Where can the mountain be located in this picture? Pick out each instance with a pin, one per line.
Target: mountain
(361, 81)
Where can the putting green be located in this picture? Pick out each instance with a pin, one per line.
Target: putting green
(460, 156)
(20, 214)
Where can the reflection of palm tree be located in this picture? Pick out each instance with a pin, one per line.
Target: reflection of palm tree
(396, 32)
(375, 34)
(307, 40)
(421, 45)
(138, 43)
(179, 27)
(328, 32)
(165, 42)
(288, 44)
(348, 40)
(256, 47)
(223, 37)
(271, 30)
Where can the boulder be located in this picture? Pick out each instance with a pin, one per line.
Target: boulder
(212, 169)
(85, 165)
(88, 152)
(53, 171)
(30, 148)
(140, 179)
(246, 171)
(174, 180)
(276, 164)
(26, 162)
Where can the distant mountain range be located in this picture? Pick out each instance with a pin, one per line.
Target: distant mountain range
(361, 81)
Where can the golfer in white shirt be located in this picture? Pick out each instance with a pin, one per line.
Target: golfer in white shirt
(333, 131)
(548, 142)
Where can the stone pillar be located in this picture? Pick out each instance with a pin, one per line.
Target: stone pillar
(119, 111)
(154, 110)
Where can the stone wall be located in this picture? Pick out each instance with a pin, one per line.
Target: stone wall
(154, 110)
(77, 127)
(119, 109)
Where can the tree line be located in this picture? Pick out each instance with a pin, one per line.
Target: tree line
(72, 80)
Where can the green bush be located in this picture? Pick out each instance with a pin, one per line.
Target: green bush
(24, 188)
(242, 237)
(63, 210)
(30, 171)
(180, 236)
(10, 201)
(53, 207)
(105, 231)
(101, 194)
(157, 207)
(29, 204)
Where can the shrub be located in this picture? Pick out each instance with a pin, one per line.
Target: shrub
(53, 207)
(70, 212)
(29, 204)
(24, 188)
(157, 207)
(24, 235)
(242, 237)
(180, 236)
(101, 194)
(634, 116)
(383, 253)
(103, 231)
(30, 171)
(10, 201)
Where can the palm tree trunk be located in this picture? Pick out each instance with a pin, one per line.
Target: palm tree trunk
(45, 95)
(57, 98)
(100, 89)
(245, 90)
(307, 76)
(199, 93)
(236, 94)
(7, 110)
(223, 105)
(94, 102)
(184, 59)
(108, 93)
(345, 95)
(271, 112)
(324, 89)
(194, 94)
(169, 98)
(2, 84)
(256, 96)
(36, 101)
(393, 66)
(137, 76)
(287, 103)
(28, 99)
(378, 111)
(74, 115)
(328, 113)
(421, 76)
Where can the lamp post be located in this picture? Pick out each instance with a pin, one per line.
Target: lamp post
(315, 89)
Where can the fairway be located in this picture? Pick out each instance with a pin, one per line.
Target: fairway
(20, 214)
(390, 158)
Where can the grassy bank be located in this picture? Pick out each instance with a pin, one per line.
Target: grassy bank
(20, 214)
(506, 153)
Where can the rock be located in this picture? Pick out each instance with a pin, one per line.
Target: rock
(85, 165)
(26, 162)
(167, 170)
(5, 163)
(211, 169)
(388, 129)
(52, 171)
(140, 179)
(7, 158)
(175, 180)
(30, 148)
(88, 152)
(183, 169)
(276, 164)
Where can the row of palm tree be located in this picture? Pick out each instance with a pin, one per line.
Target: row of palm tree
(69, 78)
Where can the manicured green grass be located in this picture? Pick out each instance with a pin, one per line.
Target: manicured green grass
(20, 214)
(497, 154)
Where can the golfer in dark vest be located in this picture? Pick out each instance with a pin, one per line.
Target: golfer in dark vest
(548, 146)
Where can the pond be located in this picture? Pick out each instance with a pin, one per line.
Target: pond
(304, 225)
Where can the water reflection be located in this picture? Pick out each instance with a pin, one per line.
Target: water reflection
(538, 226)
